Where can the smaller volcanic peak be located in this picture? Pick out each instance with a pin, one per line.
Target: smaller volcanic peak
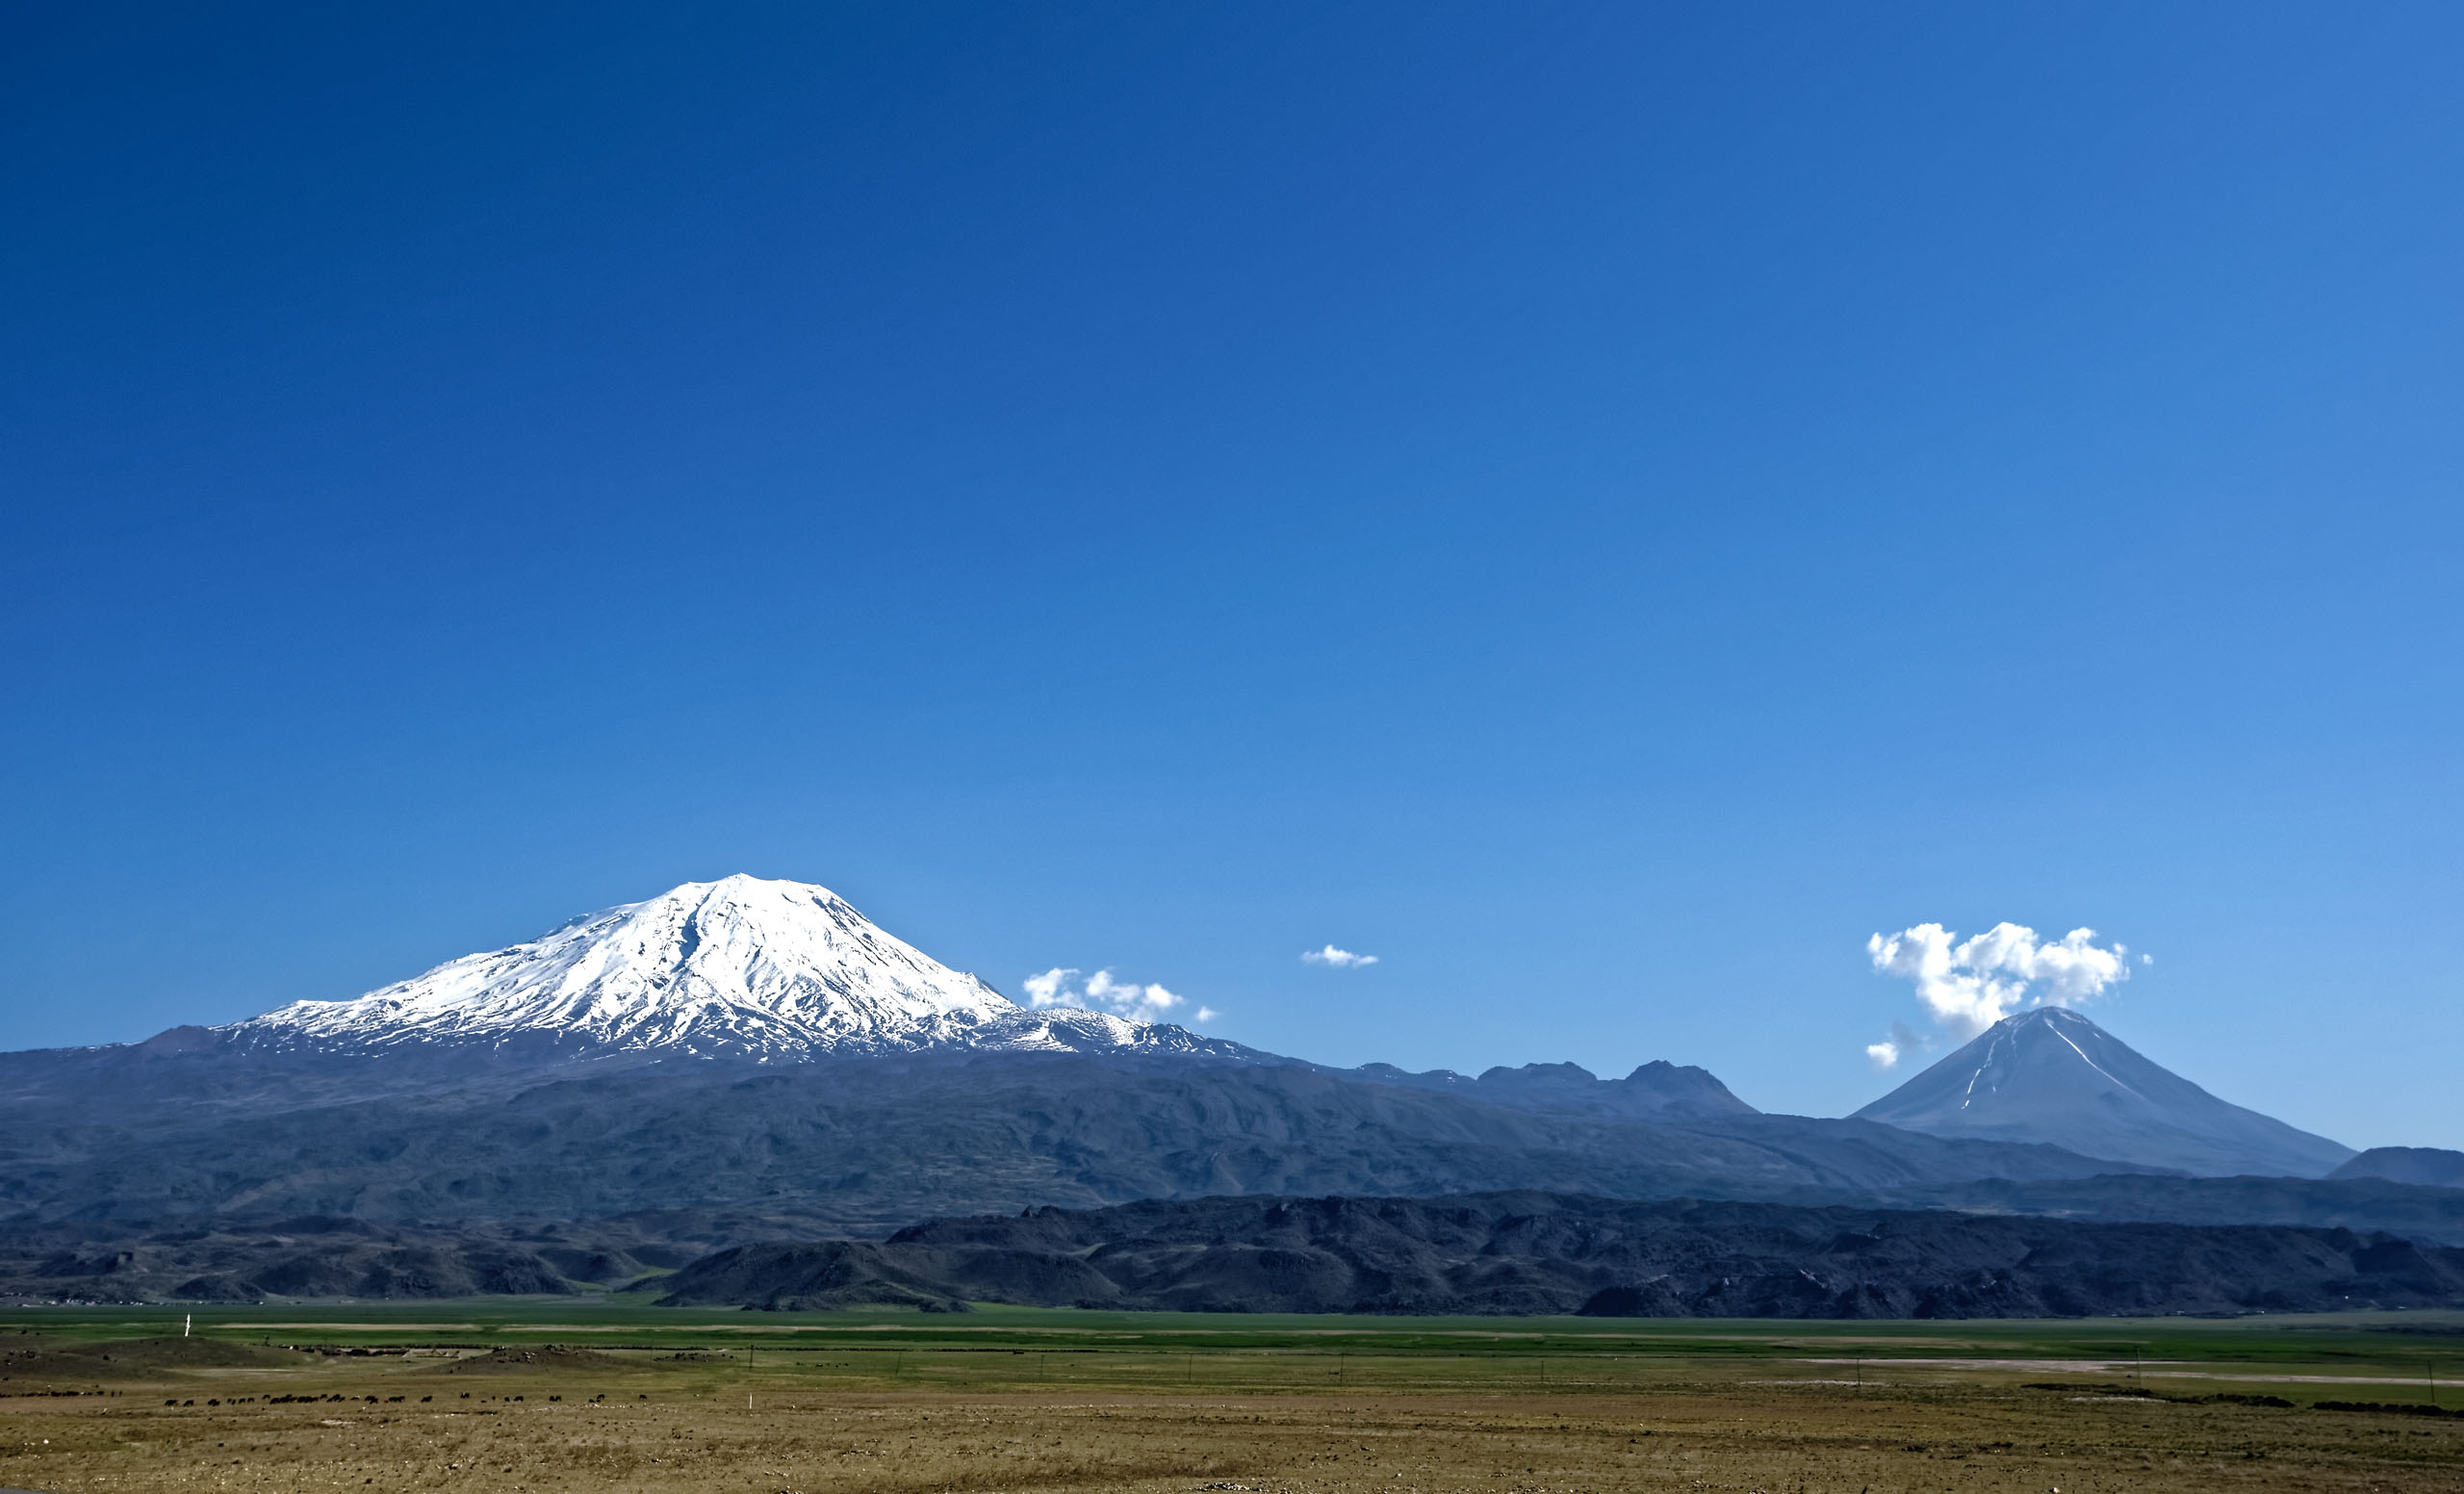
(2052, 1076)
(737, 967)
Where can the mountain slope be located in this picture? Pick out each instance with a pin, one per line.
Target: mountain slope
(2053, 1076)
(737, 967)
(860, 1143)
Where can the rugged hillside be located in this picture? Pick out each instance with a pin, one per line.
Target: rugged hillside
(2052, 1076)
(313, 1257)
(865, 1145)
(1525, 1252)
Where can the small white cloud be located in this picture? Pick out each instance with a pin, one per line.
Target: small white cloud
(2147, 959)
(1101, 992)
(1206, 1014)
(1340, 959)
(1127, 997)
(1968, 986)
(1902, 1042)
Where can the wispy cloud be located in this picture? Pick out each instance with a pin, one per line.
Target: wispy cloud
(1969, 985)
(1102, 991)
(1340, 959)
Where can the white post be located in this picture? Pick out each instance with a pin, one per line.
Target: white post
(186, 1324)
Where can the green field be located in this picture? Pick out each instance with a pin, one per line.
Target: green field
(2363, 1357)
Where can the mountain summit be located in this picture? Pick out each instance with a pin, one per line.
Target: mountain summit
(739, 966)
(2052, 1075)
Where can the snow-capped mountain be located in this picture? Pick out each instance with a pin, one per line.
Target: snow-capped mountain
(740, 967)
(2052, 1075)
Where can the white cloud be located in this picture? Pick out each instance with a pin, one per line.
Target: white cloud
(1101, 992)
(1340, 959)
(1206, 1014)
(1967, 985)
(1045, 990)
(1901, 1042)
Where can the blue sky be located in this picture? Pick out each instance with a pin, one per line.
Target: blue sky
(1604, 507)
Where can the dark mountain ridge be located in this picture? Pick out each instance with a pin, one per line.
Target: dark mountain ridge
(2433, 1167)
(863, 1145)
(1658, 1090)
(1528, 1252)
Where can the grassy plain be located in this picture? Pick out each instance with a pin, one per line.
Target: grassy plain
(567, 1396)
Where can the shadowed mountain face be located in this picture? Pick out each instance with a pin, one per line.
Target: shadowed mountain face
(2052, 1076)
(860, 1145)
(1523, 1252)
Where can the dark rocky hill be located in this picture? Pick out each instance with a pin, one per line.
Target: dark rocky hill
(2431, 1215)
(2434, 1167)
(1528, 1252)
(320, 1257)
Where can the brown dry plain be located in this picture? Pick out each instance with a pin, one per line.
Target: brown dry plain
(848, 1414)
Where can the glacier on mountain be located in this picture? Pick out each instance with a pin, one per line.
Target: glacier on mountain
(740, 967)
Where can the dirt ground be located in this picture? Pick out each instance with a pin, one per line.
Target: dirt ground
(571, 1423)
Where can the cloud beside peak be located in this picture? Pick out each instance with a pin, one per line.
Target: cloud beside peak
(1886, 1054)
(1101, 992)
(1340, 959)
(1967, 985)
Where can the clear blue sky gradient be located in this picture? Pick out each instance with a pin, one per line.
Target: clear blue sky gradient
(1602, 506)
